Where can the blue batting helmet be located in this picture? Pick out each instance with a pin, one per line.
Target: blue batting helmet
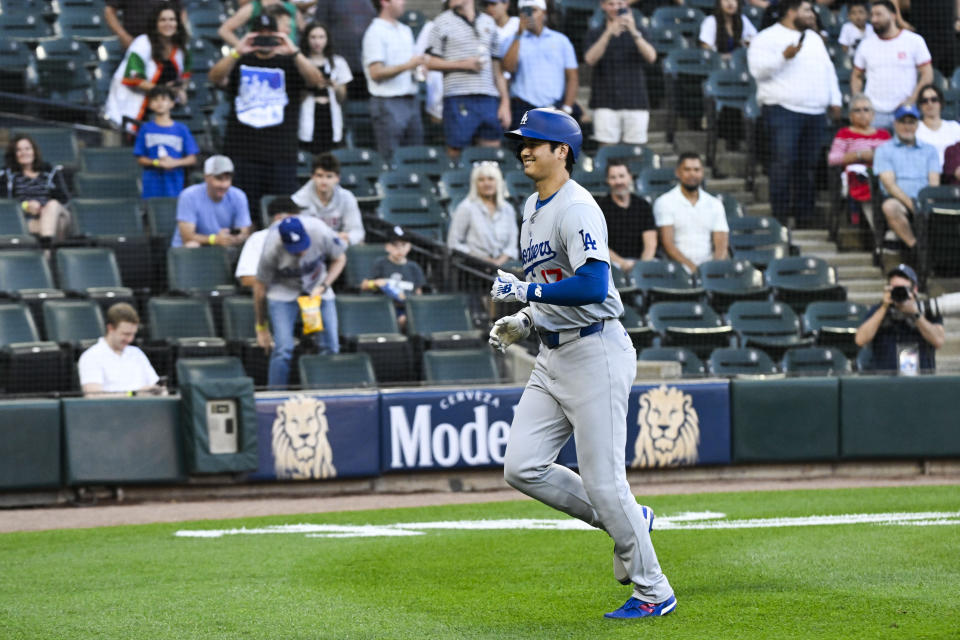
(549, 124)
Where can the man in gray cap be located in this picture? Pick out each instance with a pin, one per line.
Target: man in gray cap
(215, 212)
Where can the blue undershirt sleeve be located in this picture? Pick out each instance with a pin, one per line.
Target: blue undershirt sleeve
(588, 285)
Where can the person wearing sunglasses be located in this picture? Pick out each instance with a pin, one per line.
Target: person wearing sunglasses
(932, 128)
(852, 151)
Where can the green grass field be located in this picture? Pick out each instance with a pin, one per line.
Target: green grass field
(834, 581)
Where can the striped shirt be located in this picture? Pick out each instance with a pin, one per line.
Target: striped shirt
(847, 140)
(455, 38)
(47, 185)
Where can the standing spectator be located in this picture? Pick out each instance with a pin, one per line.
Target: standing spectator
(507, 25)
(388, 63)
(932, 128)
(301, 256)
(692, 223)
(248, 16)
(348, 21)
(396, 276)
(215, 212)
(131, 18)
(905, 166)
(853, 149)
(856, 28)
(796, 83)
(163, 148)
(476, 105)
(265, 77)
(324, 198)
(114, 365)
(542, 63)
(246, 271)
(433, 101)
(726, 28)
(40, 188)
(630, 223)
(157, 57)
(896, 64)
(484, 224)
(321, 114)
(617, 51)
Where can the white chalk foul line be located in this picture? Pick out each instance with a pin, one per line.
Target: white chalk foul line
(676, 522)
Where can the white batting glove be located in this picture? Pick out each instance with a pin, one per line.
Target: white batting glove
(507, 288)
(508, 330)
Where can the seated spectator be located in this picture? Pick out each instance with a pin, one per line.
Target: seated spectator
(246, 271)
(395, 275)
(905, 165)
(301, 256)
(951, 164)
(113, 365)
(856, 28)
(40, 188)
(321, 114)
(155, 58)
(630, 224)
(163, 148)
(215, 212)
(248, 14)
(853, 149)
(692, 223)
(933, 129)
(324, 198)
(135, 17)
(542, 63)
(735, 30)
(484, 224)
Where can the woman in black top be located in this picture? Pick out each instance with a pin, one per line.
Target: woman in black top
(38, 187)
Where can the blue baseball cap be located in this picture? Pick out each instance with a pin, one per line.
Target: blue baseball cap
(294, 236)
(906, 110)
(904, 270)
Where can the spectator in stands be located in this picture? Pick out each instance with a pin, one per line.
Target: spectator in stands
(348, 21)
(616, 51)
(542, 63)
(902, 338)
(114, 366)
(796, 83)
(692, 223)
(856, 28)
(433, 100)
(951, 164)
(905, 165)
(39, 188)
(395, 275)
(476, 104)
(484, 224)
(324, 198)
(388, 63)
(265, 77)
(215, 212)
(321, 114)
(136, 17)
(896, 64)
(933, 129)
(852, 150)
(277, 210)
(248, 16)
(163, 148)
(507, 24)
(630, 223)
(735, 30)
(157, 57)
(301, 256)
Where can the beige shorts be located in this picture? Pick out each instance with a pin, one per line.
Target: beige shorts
(613, 126)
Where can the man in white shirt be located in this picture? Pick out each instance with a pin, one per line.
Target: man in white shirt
(796, 84)
(324, 198)
(246, 272)
(896, 64)
(113, 365)
(692, 223)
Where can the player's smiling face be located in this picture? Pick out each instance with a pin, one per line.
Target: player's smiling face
(539, 161)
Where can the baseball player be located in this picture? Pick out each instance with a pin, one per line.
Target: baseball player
(586, 365)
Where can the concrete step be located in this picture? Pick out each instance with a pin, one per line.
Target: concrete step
(852, 259)
(810, 235)
(848, 272)
(863, 297)
(814, 246)
(873, 286)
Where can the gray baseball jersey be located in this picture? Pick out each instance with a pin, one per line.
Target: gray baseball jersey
(287, 275)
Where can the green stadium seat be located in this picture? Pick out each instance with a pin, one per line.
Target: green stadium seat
(336, 371)
(239, 330)
(369, 324)
(640, 333)
(24, 273)
(193, 370)
(593, 181)
(726, 281)
(13, 227)
(79, 323)
(425, 160)
(772, 326)
(655, 182)
(693, 325)
(815, 361)
(92, 272)
(740, 362)
(690, 364)
(417, 213)
(162, 217)
(27, 364)
(204, 271)
(57, 145)
(181, 328)
(442, 321)
(405, 181)
(800, 280)
(474, 366)
(636, 156)
(835, 324)
(504, 157)
(109, 160)
(686, 20)
(454, 182)
(118, 185)
(360, 259)
(663, 281)
(360, 157)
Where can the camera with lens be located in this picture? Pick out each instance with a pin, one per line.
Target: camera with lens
(266, 41)
(899, 294)
(527, 11)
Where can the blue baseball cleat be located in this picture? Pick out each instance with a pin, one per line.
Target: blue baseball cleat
(634, 608)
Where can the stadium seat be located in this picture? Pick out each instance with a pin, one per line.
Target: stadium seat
(454, 185)
(834, 324)
(474, 366)
(731, 205)
(417, 213)
(654, 182)
(940, 206)
(413, 19)
(13, 227)
(684, 71)
(815, 361)
(181, 328)
(205, 21)
(723, 89)
(80, 23)
(204, 271)
(760, 257)
(336, 371)
(758, 239)
(727, 281)
(771, 326)
(740, 362)
(641, 334)
(16, 67)
(686, 20)
(360, 259)
(622, 281)
(693, 325)
(65, 48)
(63, 81)
(801, 280)
(119, 185)
(24, 24)
(77, 323)
(117, 223)
(25, 276)
(361, 181)
(405, 182)
(665, 39)
(690, 364)
(360, 157)
(502, 156)
(663, 281)
(636, 156)
(57, 145)
(239, 330)
(369, 324)
(92, 272)
(27, 364)
(192, 370)
(109, 160)
(593, 181)
(162, 217)
(442, 321)
(425, 160)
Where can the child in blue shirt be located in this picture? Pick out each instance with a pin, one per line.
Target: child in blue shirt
(164, 147)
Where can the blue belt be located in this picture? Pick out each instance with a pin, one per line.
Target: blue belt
(554, 339)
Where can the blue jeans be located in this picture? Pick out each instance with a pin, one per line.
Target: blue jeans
(283, 317)
(795, 140)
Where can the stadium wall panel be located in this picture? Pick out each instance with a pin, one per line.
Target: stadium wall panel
(30, 444)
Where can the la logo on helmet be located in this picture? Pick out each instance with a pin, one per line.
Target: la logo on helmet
(295, 237)
(523, 120)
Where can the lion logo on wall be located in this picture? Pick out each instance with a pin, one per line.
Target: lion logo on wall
(669, 429)
(300, 447)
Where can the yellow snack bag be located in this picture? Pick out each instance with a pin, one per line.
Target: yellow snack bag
(310, 314)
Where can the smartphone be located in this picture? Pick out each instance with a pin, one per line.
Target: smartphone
(802, 36)
(622, 11)
(267, 42)
(527, 11)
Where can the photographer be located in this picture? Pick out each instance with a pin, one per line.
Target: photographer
(903, 332)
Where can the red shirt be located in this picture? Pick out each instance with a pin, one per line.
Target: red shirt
(848, 140)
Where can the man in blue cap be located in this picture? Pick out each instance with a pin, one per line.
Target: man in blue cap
(902, 337)
(905, 166)
(301, 256)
